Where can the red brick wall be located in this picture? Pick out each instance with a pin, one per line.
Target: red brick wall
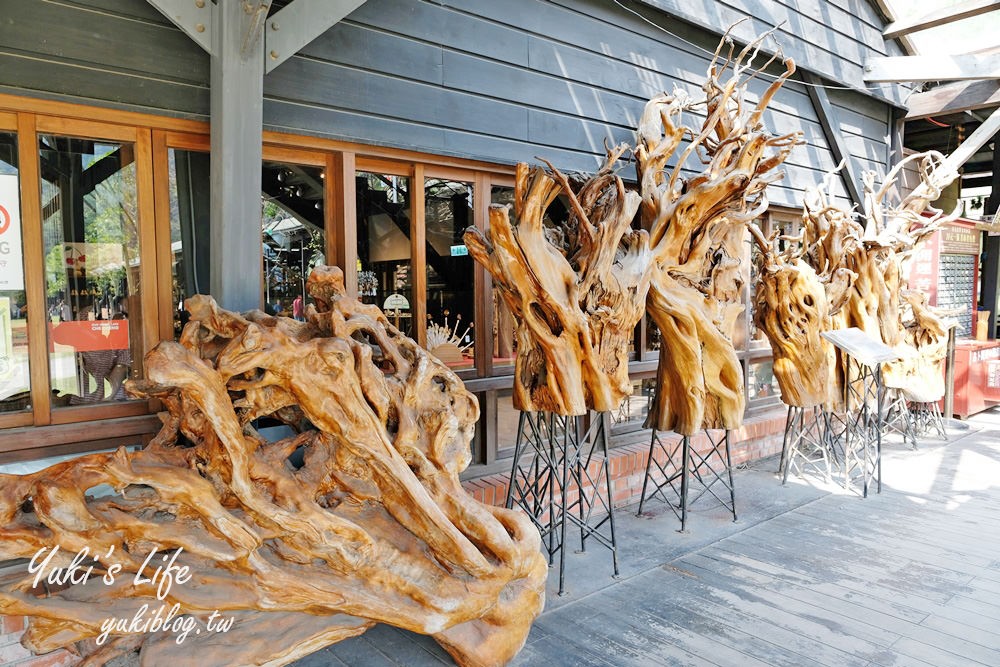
(12, 653)
(758, 438)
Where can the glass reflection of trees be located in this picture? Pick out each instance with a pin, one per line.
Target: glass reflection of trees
(91, 241)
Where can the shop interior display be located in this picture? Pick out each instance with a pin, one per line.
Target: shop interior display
(353, 518)
(697, 229)
(576, 289)
(844, 272)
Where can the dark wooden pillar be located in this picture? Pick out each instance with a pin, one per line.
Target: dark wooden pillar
(990, 276)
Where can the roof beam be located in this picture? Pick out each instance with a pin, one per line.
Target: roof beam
(977, 182)
(968, 148)
(954, 98)
(974, 141)
(300, 22)
(945, 15)
(834, 137)
(932, 68)
(194, 17)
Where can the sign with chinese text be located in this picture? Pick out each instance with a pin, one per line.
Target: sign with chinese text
(90, 335)
(11, 261)
(959, 240)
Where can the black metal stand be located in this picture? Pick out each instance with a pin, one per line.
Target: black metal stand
(899, 416)
(708, 469)
(863, 433)
(807, 443)
(927, 418)
(556, 478)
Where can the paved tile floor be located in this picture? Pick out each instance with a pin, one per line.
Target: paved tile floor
(809, 575)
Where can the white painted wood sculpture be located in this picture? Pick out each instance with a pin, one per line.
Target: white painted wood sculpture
(357, 518)
(576, 289)
(697, 230)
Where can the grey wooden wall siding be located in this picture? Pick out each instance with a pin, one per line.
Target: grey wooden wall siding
(498, 81)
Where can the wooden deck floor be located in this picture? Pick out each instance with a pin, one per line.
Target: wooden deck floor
(810, 575)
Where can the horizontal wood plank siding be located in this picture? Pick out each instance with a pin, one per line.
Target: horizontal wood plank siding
(813, 32)
(121, 53)
(493, 81)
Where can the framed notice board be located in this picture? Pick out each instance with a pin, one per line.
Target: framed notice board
(946, 268)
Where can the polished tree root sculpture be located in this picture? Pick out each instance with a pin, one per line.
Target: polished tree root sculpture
(793, 305)
(893, 228)
(356, 519)
(877, 253)
(922, 372)
(576, 289)
(697, 229)
(839, 274)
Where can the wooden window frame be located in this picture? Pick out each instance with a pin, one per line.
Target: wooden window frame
(9, 123)
(33, 125)
(154, 136)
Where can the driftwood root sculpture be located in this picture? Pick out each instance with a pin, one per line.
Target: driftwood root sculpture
(842, 273)
(697, 228)
(355, 518)
(576, 289)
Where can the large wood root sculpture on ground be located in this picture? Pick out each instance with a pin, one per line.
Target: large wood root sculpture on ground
(697, 229)
(840, 273)
(356, 519)
(576, 289)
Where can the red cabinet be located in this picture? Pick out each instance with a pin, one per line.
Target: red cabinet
(977, 376)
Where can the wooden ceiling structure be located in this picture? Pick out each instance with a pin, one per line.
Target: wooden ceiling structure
(958, 113)
(960, 92)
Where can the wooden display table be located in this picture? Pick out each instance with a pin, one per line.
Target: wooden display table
(977, 376)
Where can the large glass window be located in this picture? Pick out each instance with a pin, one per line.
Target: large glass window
(14, 378)
(91, 243)
(448, 212)
(384, 266)
(761, 382)
(292, 234)
(634, 408)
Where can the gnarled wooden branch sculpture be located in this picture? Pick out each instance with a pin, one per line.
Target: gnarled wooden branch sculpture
(696, 231)
(356, 519)
(576, 289)
(793, 305)
(922, 373)
(893, 228)
(876, 254)
(840, 273)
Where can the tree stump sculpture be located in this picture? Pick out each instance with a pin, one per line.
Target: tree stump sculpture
(926, 334)
(697, 228)
(356, 519)
(576, 289)
(839, 273)
(793, 305)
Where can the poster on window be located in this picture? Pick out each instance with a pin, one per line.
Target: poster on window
(11, 264)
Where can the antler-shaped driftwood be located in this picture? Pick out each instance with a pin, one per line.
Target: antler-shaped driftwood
(697, 229)
(576, 289)
(358, 518)
(860, 269)
(893, 228)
